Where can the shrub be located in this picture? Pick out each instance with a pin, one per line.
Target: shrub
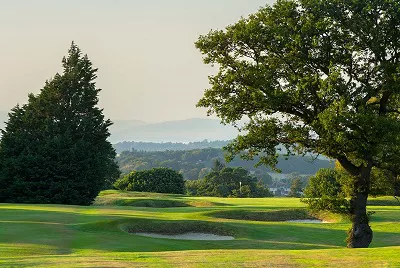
(156, 180)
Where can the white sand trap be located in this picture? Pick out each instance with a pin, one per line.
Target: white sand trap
(189, 236)
(307, 221)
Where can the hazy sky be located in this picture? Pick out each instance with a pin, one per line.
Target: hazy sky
(148, 66)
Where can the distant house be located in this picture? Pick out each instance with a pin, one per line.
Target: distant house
(273, 190)
(280, 191)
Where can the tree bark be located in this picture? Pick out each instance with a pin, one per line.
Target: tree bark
(360, 234)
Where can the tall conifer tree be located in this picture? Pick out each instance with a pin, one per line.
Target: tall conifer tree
(54, 149)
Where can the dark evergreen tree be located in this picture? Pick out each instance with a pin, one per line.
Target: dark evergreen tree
(54, 149)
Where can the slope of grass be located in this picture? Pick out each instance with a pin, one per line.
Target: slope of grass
(271, 215)
(98, 236)
(136, 199)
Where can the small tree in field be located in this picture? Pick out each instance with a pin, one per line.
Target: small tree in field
(296, 187)
(326, 190)
(316, 76)
(54, 149)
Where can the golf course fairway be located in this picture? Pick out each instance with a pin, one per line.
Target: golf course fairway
(103, 235)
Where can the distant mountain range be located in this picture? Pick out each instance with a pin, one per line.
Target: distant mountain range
(187, 134)
(166, 146)
(190, 130)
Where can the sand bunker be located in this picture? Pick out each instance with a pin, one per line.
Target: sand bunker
(307, 221)
(188, 236)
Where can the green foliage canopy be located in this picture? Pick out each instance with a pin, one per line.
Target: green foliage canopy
(330, 189)
(326, 191)
(326, 182)
(228, 182)
(156, 180)
(316, 76)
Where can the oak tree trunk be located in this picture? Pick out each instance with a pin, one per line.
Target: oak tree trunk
(360, 234)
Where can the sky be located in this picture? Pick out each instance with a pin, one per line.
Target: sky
(149, 68)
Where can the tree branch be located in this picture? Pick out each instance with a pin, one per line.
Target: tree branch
(349, 167)
(383, 102)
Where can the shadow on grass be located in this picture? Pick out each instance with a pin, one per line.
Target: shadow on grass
(383, 201)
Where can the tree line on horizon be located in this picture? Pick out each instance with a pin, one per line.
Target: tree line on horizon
(221, 181)
(195, 164)
(166, 146)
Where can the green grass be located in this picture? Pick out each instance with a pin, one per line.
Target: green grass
(384, 201)
(101, 235)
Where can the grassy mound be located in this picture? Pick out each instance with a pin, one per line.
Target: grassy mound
(204, 204)
(170, 227)
(151, 203)
(274, 215)
(154, 203)
(152, 200)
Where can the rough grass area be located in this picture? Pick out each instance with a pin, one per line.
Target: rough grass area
(273, 215)
(98, 236)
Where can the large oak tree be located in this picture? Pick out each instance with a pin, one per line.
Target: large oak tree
(316, 76)
(54, 148)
